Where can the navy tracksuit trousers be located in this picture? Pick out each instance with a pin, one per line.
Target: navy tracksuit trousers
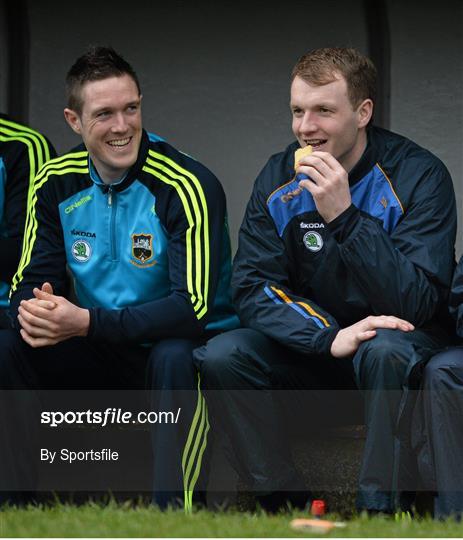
(5, 322)
(438, 431)
(243, 372)
(165, 369)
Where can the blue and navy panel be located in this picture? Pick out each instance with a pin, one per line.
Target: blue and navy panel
(373, 194)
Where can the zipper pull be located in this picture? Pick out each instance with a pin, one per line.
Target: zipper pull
(110, 196)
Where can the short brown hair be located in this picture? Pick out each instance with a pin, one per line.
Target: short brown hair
(321, 66)
(96, 64)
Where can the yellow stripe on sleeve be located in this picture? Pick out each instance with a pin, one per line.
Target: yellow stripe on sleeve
(197, 234)
(307, 307)
(58, 167)
(203, 230)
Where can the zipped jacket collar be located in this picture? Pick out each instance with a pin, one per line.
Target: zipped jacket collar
(368, 159)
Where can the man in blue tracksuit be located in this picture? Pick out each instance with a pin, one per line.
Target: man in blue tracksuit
(22, 152)
(339, 279)
(142, 229)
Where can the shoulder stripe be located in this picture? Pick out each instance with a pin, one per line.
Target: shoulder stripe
(191, 194)
(30, 232)
(55, 165)
(194, 295)
(303, 308)
(58, 166)
(278, 189)
(83, 155)
(392, 189)
(202, 232)
(15, 131)
(38, 154)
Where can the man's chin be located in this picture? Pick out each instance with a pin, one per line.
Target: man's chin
(123, 161)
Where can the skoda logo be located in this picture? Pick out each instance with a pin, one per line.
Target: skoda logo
(313, 241)
(81, 250)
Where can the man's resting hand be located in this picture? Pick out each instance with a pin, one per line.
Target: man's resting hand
(349, 339)
(48, 319)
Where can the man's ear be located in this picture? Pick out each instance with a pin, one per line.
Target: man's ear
(73, 119)
(365, 112)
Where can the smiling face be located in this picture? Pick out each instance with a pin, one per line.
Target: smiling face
(324, 117)
(110, 124)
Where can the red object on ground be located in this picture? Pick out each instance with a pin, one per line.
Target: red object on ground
(318, 508)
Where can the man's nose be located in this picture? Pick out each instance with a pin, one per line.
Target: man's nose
(120, 123)
(308, 124)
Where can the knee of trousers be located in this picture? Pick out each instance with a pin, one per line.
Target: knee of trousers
(444, 371)
(12, 349)
(171, 360)
(382, 362)
(227, 358)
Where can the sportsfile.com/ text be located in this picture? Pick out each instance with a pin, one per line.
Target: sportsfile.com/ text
(109, 416)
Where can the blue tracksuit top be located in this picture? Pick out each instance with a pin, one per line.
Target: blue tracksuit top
(149, 255)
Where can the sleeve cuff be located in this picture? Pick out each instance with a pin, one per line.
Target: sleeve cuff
(323, 340)
(344, 224)
(91, 325)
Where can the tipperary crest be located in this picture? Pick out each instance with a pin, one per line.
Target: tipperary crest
(142, 247)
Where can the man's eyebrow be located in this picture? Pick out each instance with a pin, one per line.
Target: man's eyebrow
(325, 104)
(101, 109)
(109, 108)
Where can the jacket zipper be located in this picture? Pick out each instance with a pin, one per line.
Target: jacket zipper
(112, 203)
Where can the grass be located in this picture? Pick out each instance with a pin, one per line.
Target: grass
(116, 520)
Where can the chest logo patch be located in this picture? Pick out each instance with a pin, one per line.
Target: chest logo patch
(313, 241)
(81, 250)
(142, 250)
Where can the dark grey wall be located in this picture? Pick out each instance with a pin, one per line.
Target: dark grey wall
(214, 75)
(427, 81)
